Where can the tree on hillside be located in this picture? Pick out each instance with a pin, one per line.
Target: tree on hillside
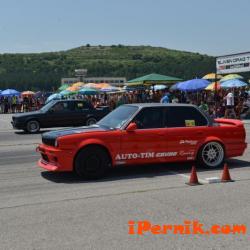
(44, 70)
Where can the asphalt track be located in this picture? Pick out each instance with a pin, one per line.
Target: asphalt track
(42, 210)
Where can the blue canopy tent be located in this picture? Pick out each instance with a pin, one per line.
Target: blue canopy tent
(110, 89)
(174, 87)
(55, 96)
(10, 92)
(234, 83)
(88, 91)
(192, 85)
(65, 92)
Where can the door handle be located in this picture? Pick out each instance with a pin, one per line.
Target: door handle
(199, 133)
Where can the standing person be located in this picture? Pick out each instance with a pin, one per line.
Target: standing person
(2, 104)
(9, 99)
(38, 104)
(229, 113)
(30, 103)
(6, 105)
(13, 104)
(165, 98)
(112, 104)
(119, 101)
(105, 98)
(239, 107)
(18, 104)
(25, 104)
(175, 99)
(183, 98)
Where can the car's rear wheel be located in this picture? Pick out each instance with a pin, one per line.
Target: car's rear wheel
(211, 155)
(91, 121)
(32, 126)
(91, 162)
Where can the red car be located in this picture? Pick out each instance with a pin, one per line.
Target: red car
(142, 134)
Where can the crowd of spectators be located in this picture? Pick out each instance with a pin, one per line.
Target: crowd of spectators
(224, 103)
(17, 104)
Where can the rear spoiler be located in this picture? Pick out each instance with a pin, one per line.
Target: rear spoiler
(233, 122)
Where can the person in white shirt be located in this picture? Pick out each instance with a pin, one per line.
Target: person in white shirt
(229, 112)
(230, 99)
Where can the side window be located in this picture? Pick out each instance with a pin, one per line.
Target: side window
(61, 107)
(184, 117)
(150, 118)
(81, 106)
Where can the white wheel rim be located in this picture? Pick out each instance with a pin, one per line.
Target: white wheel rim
(213, 154)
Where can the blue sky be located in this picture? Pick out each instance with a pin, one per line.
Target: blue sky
(214, 27)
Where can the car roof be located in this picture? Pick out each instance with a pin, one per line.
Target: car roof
(70, 100)
(143, 105)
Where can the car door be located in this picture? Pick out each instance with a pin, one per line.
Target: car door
(186, 129)
(81, 111)
(60, 114)
(147, 143)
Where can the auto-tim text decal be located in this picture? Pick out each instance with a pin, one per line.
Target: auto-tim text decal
(145, 155)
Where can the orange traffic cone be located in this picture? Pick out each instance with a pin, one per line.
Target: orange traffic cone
(226, 175)
(193, 178)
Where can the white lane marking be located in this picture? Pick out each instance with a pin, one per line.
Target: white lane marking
(20, 144)
(202, 181)
(8, 130)
(15, 157)
(213, 180)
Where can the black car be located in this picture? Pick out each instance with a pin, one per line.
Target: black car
(60, 113)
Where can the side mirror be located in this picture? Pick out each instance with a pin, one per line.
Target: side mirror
(132, 127)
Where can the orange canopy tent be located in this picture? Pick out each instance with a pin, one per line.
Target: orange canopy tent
(212, 86)
(103, 85)
(78, 84)
(97, 85)
(73, 88)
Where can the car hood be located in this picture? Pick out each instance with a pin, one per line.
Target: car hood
(58, 133)
(33, 113)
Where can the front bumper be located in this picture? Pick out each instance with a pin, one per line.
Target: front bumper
(54, 159)
(17, 125)
(48, 166)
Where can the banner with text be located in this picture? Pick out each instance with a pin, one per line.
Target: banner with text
(233, 63)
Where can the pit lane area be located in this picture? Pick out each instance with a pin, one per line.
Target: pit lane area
(42, 210)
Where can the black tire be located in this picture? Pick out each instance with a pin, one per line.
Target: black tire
(91, 121)
(32, 126)
(211, 155)
(92, 162)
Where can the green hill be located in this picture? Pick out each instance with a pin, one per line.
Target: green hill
(43, 71)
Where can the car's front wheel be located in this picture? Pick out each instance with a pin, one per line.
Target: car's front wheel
(211, 155)
(91, 162)
(32, 126)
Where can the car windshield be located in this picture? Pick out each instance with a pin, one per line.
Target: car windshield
(46, 107)
(118, 117)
